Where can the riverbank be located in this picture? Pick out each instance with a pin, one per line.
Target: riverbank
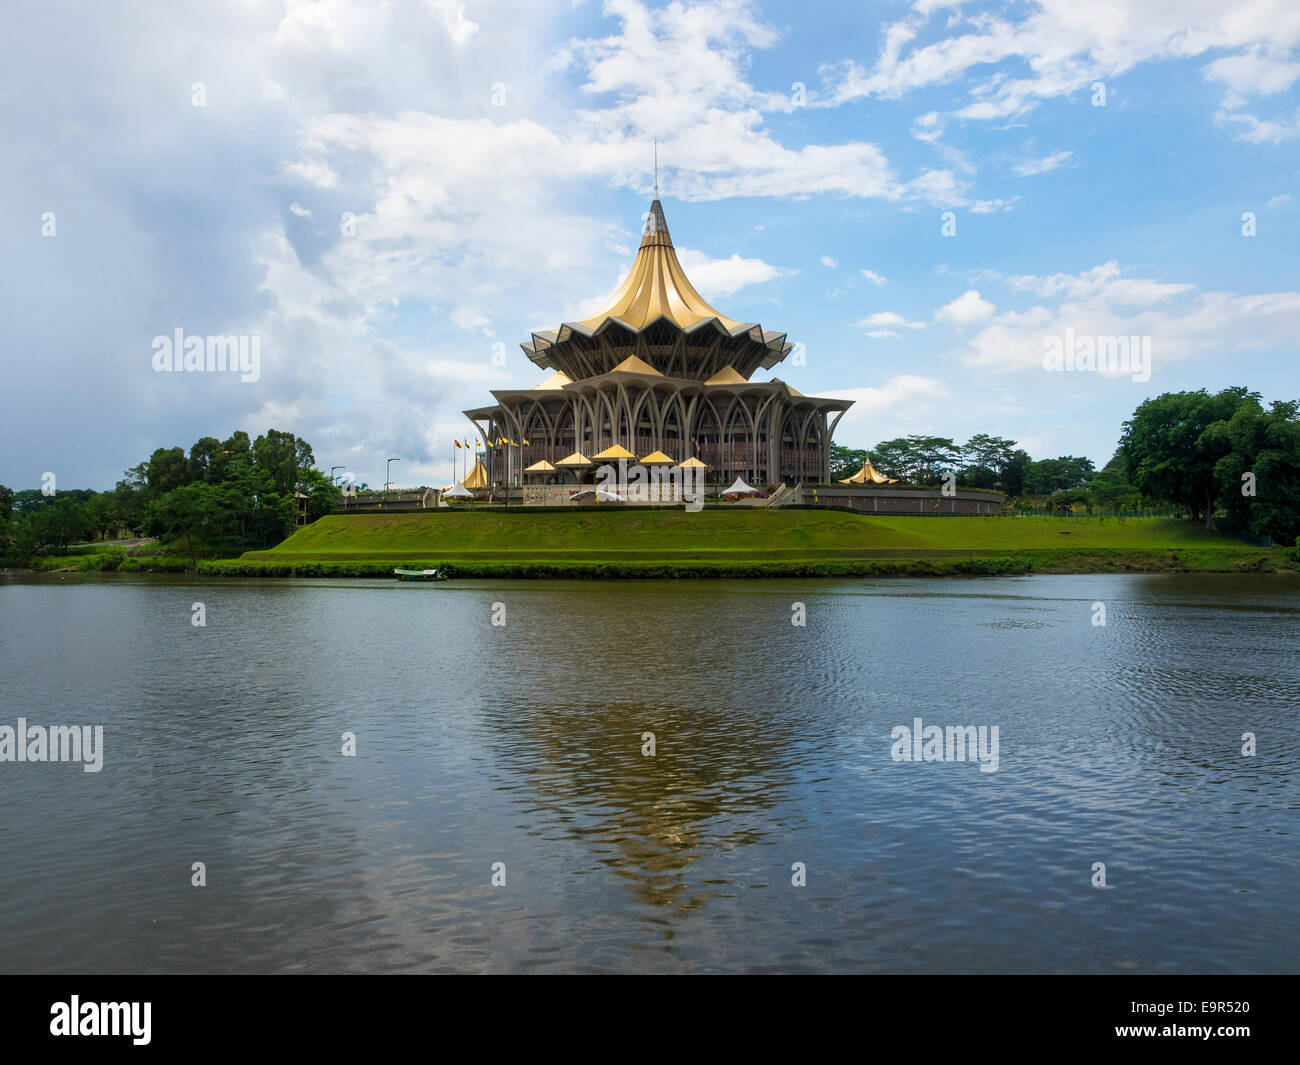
(741, 543)
(617, 542)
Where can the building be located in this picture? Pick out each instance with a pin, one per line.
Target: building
(659, 370)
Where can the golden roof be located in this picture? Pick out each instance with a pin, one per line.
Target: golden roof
(726, 376)
(657, 287)
(540, 467)
(557, 380)
(576, 459)
(618, 451)
(477, 477)
(868, 475)
(632, 364)
(656, 458)
(693, 463)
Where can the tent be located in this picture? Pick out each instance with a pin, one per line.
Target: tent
(740, 488)
(457, 491)
(477, 477)
(869, 475)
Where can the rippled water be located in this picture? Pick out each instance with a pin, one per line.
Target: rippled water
(521, 744)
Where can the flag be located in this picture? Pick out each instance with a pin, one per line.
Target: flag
(456, 442)
(478, 443)
(526, 443)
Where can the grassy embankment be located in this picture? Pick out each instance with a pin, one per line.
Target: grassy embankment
(741, 542)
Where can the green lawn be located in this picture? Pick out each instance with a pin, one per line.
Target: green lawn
(742, 534)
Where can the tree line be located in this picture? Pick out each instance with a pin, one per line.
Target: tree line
(1219, 457)
(222, 497)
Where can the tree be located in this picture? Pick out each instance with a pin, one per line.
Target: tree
(846, 461)
(986, 458)
(1172, 452)
(1013, 473)
(323, 495)
(6, 503)
(203, 456)
(102, 515)
(184, 511)
(131, 495)
(1046, 476)
(1258, 478)
(1110, 488)
(284, 457)
(52, 527)
(167, 469)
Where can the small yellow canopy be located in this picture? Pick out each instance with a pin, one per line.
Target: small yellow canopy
(477, 477)
(618, 451)
(540, 467)
(576, 459)
(869, 475)
(657, 458)
(693, 463)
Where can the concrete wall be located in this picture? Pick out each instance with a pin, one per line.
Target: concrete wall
(905, 500)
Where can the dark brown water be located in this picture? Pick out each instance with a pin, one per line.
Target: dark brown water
(522, 744)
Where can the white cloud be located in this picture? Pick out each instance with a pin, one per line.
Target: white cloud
(1041, 166)
(724, 277)
(828, 261)
(1278, 201)
(1064, 46)
(893, 407)
(1180, 321)
(882, 319)
(966, 309)
(873, 277)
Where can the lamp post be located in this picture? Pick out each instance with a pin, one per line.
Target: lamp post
(387, 482)
(332, 469)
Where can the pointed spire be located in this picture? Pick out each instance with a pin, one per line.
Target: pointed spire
(656, 227)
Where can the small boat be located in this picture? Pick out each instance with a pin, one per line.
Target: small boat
(419, 575)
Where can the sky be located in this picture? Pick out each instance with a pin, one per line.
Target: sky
(387, 197)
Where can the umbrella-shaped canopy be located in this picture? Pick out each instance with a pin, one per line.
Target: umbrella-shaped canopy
(656, 458)
(618, 451)
(540, 467)
(477, 477)
(457, 491)
(740, 488)
(868, 475)
(574, 461)
(693, 463)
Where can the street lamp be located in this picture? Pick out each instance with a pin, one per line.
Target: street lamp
(387, 482)
(332, 469)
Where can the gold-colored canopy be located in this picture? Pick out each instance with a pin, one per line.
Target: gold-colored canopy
(869, 475)
(657, 286)
(477, 477)
(574, 460)
(618, 451)
(656, 458)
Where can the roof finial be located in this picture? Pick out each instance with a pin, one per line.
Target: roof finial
(656, 168)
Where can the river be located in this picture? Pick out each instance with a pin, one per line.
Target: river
(518, 752)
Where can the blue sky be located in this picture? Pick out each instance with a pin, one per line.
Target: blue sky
(495, 159)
